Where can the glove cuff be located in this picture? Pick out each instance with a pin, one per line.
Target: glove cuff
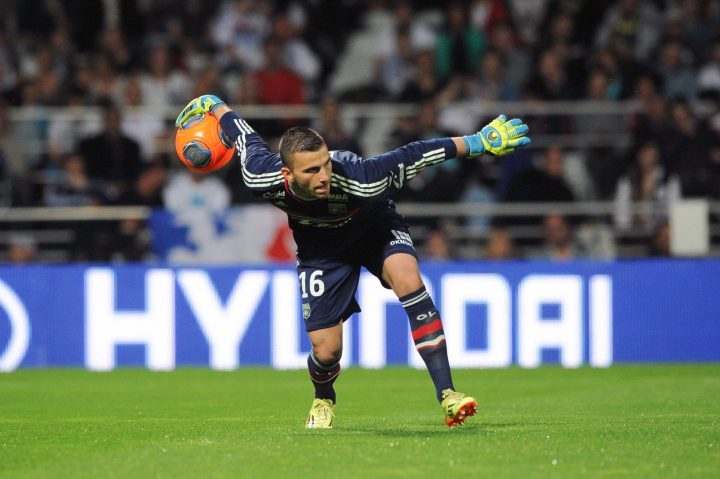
(474, 145)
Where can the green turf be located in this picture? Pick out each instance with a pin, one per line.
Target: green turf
(639, 421)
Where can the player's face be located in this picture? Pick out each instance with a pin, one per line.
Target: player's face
(310, 173)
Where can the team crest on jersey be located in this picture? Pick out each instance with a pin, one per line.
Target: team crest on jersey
(306, 310)
(337, 209)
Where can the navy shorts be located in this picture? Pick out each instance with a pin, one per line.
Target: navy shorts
(328, 283)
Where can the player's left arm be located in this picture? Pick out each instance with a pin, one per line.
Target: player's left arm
(392, 169)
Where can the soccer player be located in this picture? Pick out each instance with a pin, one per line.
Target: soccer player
(339, 208)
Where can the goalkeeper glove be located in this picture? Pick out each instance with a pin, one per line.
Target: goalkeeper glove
(499, 138)
(199, 106)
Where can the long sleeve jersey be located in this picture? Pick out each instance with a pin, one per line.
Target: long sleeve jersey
(360, 187)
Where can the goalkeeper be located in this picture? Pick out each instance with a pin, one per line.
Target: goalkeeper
(340, 210)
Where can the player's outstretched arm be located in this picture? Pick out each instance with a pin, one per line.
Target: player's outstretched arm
(500, 137)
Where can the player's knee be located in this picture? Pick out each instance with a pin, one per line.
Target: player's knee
(406, 284)
(328, 355)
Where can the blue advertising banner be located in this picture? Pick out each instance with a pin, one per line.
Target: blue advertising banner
(495, 315)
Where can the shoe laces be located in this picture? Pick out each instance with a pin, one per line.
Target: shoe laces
(450, 394)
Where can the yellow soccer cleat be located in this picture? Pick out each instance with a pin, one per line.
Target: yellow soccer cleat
(322, 414)
(457, 407)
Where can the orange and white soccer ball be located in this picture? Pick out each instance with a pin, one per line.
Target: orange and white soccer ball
(202, 146)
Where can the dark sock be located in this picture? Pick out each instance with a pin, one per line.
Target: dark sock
(427, 332)
(323, 377)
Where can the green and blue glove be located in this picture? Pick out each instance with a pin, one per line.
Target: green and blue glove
(199, 106)
(498, 138)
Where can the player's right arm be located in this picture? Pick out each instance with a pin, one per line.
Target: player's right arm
(260, 167)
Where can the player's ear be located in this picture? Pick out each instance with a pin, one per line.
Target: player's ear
(287, 174)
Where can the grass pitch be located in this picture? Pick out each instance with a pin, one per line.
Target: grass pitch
(626, 421)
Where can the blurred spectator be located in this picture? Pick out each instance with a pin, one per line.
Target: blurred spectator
(148, 187)
(653, 125)
(331, 128)
(499, 245)
(107, 82)
(559, 243)
(486, 14)
(8, 66)
(143, 124)
(676, 72)
(709, 74)
(543, 183)
(329, 23)
(477, 191)
(296, 54)
(187, 192)
(239, 30)
(515, 58)
(528, 15)
(617, 85)
(426, 85)
(402, 18)
(696, 22)
(111, 156)
(490, 83)
(273, 84)
(659, 245)
(460, 44)
(436, 247)
(597, 88)
(596, 240)
(72, 187)
(115, 48)
(397, 68)
(22, 249)
(637, 22)
(550, 81)
(689, 144)
(161, 82)
(647, 182)
(208, 79)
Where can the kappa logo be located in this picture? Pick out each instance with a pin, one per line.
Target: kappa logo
(424, 316)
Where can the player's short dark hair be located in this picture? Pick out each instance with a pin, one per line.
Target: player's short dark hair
(299, 138)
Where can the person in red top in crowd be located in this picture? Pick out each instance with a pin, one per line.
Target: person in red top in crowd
(274, 84)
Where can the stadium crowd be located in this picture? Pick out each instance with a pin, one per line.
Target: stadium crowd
(155, 55)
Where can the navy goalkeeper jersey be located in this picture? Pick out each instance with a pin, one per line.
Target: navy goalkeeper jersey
(360, 189)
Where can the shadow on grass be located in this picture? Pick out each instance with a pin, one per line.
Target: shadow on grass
(419, 430)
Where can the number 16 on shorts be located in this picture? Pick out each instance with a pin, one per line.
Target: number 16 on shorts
(314, 283)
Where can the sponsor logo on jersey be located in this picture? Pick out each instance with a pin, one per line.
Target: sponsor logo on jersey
(339, 197)
(274, 194)
(401, 237)
(337, 209)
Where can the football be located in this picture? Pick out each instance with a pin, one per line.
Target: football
(202, 146)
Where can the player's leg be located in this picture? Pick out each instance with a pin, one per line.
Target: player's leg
(401, 272)
(324, 360)
(324, 368)
(328, 298)
(390, 255)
